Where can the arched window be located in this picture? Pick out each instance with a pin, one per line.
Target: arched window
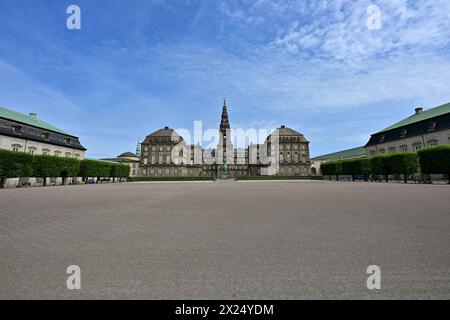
(288, 158)
(392, 150)
(381, 151)
(432, 143)
(281, 158)
(296, 157)
(57, 153)
(417, 146)
(67, 154)
(45, 152)
(16, 147)
(32, 150)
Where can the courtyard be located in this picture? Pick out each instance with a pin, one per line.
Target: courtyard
(226, 240)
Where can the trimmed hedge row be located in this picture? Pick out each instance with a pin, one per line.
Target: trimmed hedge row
(20, 164)
(279, 178)
(435, 160)
(170, 178)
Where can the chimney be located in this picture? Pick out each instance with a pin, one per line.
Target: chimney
(283, 126)
(418, 110)
(166, 128)
(33, 115)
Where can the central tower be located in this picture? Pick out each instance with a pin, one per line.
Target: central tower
(225, 148)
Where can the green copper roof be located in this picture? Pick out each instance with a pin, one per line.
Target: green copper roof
(424, 115)
(31, 120)
(344, 154)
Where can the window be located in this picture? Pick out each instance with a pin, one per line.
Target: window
(167, 159)
(68, 154)
(16, 147)
(57, 153)
(17, 129)
(153, 159)
(417, 146)
(381, 151)
(403, 133)
(45, 152)
(392, 150)
(153, 148)
(404, 148)
(160, 159)
(381, 139)
(145, 160)
(168, 148)
(432, 143)
(431, 127)
(281, 158)
(45, 136)
(32, 150)
(288, 158)
(76, 156)
(67, 140)
(161, 148)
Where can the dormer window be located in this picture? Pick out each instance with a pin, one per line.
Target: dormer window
(403, 133)
(431, 126)
(45, 136)
(381, 139)
(17, 129)
(67, 140)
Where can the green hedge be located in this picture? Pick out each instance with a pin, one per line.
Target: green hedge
(169, 178)
(435, 160)
(20, 164)
(15, 165)
(405, 163)
(279, 178)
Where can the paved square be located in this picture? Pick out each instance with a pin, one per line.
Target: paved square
(226, 240)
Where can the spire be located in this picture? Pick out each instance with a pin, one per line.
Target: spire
(224, 123)
(138, 149)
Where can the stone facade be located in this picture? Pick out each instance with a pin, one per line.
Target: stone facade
(27, 133)
(165, 153)
(421, 130)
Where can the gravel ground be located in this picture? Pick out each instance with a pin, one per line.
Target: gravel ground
(226, 240)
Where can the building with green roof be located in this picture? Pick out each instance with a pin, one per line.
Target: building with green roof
(358, 152)
(28, 133)
(424, 128)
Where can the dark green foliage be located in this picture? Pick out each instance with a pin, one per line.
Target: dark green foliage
(280, 178)
(14, 165)
(119, 171)
(435, 160)
(172, 178)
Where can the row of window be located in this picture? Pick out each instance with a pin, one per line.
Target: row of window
(45, 135)
(430, 128)
(288, 158)
(405, 148)
(44, 151)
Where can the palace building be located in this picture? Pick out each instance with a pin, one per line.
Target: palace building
(165, 153)
(425, 128)
(27, 133)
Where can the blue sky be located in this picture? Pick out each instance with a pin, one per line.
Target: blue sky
(136, 66)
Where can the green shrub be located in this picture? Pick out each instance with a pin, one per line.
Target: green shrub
(95, 168)
(14, 165)
(119, 171)
(435, 160)
(69, 168)
(47, 166)
(171, 178)
(405, 163)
